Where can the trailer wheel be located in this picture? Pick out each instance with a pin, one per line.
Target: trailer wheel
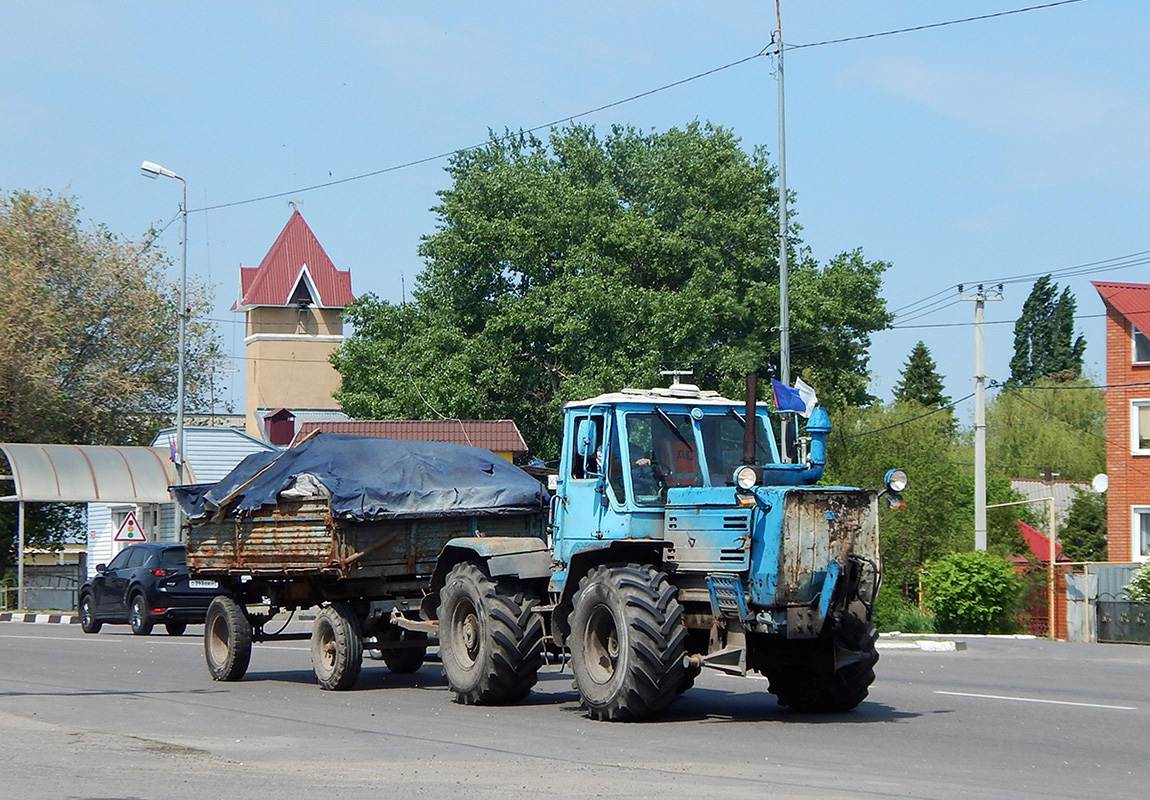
(490, 638)
(402, 660)
(175, 628)
(227, 639)
(336, 647)
(627, 642)
(806, 689)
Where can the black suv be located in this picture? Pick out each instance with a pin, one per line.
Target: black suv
(145, 584)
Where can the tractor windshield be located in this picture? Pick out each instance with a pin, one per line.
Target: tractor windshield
(670, 449)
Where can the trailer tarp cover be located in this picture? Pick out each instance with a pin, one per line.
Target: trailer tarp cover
(371, 478)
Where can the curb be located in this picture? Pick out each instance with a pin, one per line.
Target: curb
(15, 616)
(926, 645)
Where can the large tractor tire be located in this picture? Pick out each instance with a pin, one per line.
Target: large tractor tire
(627, 642)
(490, 638)
(227, 639)
(88, 621)
(807, 689)
(336, 647)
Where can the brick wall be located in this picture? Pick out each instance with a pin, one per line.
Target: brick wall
(1129, 475)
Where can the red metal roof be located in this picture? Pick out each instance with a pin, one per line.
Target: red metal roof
(1131, 300)
(295, 250)
(501, 435)
(1038, 544)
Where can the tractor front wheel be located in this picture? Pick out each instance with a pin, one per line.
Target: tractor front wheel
(627, 642)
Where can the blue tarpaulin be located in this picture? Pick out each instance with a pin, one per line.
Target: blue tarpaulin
(371, 478)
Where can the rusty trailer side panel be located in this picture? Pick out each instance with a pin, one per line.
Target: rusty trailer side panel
(820, 527)
(302, 538)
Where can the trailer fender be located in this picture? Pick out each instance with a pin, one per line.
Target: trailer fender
(522, 557)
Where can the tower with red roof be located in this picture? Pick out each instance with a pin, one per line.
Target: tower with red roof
(292, 302)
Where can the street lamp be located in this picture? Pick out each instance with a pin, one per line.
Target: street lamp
(151, 170)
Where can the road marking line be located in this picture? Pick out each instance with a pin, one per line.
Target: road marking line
(1037, 700)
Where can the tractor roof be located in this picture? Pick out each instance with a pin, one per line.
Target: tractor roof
(686, 394)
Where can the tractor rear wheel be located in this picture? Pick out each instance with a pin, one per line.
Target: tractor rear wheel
(490, 638)
(627, 642)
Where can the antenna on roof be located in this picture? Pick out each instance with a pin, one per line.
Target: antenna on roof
(676, 374)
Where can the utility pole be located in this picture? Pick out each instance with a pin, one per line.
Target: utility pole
(979, 298)
(784, 292)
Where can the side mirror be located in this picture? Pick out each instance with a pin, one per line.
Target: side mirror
(586, 436)
(101, 568)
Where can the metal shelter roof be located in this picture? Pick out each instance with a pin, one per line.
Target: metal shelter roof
(72, 473)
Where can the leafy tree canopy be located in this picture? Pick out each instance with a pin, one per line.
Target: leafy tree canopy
(1056, 424)
(87, 344)
(920, 382)
(1044, 341)
(563, 269)
(939, 515)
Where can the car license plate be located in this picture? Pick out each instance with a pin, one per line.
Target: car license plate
(200, 583)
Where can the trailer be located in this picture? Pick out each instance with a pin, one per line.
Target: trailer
(354, 527)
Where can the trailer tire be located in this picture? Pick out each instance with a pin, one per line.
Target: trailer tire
(490, 637)
(227, 639)
(88, 621)
(138, 617)
(336, 647)
(812, 691)
(627, 642)
(175, 628)
(402, 660)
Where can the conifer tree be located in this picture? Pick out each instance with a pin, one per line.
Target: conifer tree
(920, 382)
(1044, 342)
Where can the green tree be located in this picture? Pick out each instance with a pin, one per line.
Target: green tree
(563, 269)
(1083, 534)
(1044, 342)
(87, 351)
(920, 382)
(1057, 424)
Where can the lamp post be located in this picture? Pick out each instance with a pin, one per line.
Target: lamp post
(151, 170)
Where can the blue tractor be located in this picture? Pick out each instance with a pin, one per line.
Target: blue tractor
(678, 539)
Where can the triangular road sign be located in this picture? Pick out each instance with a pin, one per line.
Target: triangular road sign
(130, 530)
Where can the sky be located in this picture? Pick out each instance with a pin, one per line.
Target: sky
(992, 150)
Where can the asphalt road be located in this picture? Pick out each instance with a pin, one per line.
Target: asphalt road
(118, 716)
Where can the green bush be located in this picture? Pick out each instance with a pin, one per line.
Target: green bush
(1138, 590)
(893, 611)
(973, 592)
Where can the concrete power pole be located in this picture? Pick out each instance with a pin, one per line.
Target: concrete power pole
(979, 298)
(784, 289)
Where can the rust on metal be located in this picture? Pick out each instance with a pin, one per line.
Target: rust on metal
(820, 527)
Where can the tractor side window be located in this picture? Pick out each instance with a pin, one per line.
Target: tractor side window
(586, 447)
(615, 466)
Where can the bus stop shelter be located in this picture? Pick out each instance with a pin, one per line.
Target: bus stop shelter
(69, 473)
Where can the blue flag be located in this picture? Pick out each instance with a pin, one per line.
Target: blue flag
(800, 398)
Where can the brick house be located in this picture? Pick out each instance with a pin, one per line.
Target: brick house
(1127, 419)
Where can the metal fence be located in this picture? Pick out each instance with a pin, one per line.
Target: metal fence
(1123, 621)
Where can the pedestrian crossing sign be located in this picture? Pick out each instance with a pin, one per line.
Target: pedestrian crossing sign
(130, 530)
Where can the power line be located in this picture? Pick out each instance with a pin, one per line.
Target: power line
(928, 26)
(766, 51)
(949, 406)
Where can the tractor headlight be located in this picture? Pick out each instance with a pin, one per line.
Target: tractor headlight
(746, 477)
(895, 481)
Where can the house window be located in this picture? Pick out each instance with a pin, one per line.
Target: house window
(1140, 527)
(1141, 346)
(1140, 427)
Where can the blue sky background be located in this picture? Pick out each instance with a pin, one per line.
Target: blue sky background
(973, 152)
